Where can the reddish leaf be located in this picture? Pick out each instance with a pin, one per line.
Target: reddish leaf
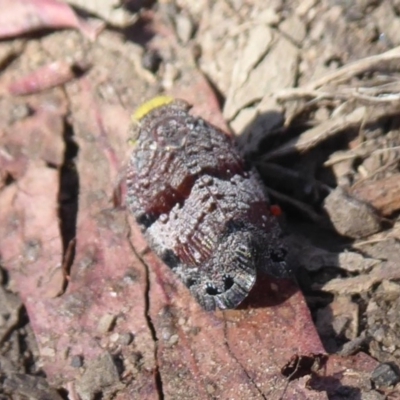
(18, 17)
(51, 75)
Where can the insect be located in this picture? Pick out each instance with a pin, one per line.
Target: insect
(201, 207)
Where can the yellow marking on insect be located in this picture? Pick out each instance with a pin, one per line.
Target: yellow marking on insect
(132, 142)
(151, 105)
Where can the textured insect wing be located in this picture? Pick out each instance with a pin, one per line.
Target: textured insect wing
(201, 209)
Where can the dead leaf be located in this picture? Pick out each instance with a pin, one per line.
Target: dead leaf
(22, 16)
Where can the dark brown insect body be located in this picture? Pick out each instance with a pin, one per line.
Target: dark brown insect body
(202, 209)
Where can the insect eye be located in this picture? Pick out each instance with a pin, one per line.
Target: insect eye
(278, 255)
(228, 282)
(190, 282)
(211, 290)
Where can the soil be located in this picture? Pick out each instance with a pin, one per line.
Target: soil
(310, 91)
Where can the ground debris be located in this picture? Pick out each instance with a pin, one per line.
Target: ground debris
(30, 386)
(350, 216)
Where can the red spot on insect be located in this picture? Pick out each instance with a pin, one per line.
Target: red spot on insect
(276, 210)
